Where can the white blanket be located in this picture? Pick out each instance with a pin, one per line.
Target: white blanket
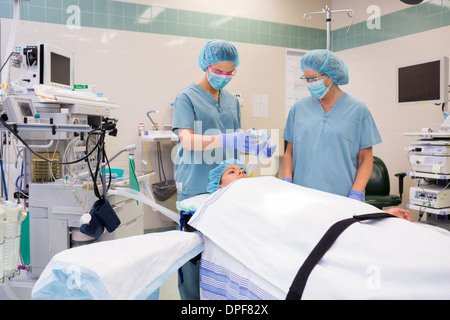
(259, 231)
(129, 268)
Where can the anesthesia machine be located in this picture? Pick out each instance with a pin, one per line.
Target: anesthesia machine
(53, 160)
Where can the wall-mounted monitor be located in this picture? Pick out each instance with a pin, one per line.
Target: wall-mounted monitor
(55, 66)
(423, 82)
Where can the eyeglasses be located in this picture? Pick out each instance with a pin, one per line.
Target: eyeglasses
(312, 79)
(230, 74)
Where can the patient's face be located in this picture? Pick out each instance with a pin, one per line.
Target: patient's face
(232, 173)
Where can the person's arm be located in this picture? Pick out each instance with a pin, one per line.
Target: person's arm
(244, 141)
(197, 142)
(288, 162)
(365, 166)
(400, 213)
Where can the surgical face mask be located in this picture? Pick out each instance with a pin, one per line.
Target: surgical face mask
(318, 89)
(218, 81)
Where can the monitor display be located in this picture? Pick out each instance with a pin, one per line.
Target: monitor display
(55, 66)
(25, 108)
(423, 82)
(59, 69)
(420, 82)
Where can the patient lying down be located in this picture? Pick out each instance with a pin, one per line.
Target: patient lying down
(259, 232)
(231, 170)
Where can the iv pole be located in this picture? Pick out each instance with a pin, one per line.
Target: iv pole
(328, 12)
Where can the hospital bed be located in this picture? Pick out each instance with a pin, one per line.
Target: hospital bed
(255, 235)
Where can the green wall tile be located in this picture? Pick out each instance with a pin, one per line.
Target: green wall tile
(253, 26)
(116, 8)
(414, 19)
(197, 18)
(85, 5)
(5, 10)
(184, 16)
(144, 26)
(243, 24)
(100, 6)
(129, 9)
(37, 13)
(56, 4)
(53, 15)
(131, 23)
(446, 18)
(116, 22)
(128, 16)
(36, 3)
(101, 21)
(171, 15)
(158, 27)
(196, 31)
(87, 19)
(264, 27)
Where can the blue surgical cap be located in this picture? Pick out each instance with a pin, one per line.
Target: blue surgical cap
(215, 51)
(215, 174)
(326, 62)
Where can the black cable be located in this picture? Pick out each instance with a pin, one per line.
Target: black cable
(160, 162)
(7, 126)
(94, 176)
(99, 147)
(6, 60)
(101, 157)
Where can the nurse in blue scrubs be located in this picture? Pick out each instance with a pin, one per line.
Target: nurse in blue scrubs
(207, 120)
(329, 134)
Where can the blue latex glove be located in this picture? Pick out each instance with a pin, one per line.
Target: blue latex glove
(271, 150)
(288, 180)
(355, 194)
(266, 150)
(242, 141)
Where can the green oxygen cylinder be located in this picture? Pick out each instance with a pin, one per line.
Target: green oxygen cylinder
(25, 238)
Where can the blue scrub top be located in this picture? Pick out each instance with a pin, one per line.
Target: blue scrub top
(198, 110)
(326, 145)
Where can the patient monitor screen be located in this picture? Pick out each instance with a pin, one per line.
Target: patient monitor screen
(59, 69)
(25, 109)
(420, 82)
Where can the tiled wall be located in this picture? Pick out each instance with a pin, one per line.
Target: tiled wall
(117, 15)
(413, 19)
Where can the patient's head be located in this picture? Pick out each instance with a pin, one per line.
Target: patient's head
(225, 173)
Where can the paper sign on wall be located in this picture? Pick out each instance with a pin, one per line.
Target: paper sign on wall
(295, 88)
(260, 105)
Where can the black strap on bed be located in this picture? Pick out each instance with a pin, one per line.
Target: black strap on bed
(299, 283)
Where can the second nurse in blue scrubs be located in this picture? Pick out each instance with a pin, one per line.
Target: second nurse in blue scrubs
(330, 134)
